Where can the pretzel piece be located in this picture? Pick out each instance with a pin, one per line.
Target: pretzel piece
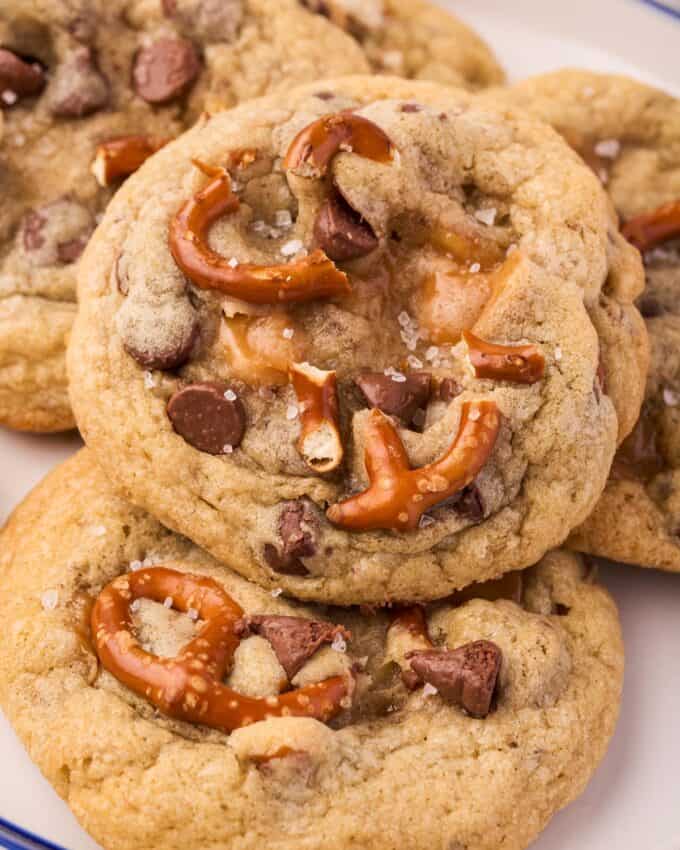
(116, 159)
(319, 142)
(320, 443)
(308, 279)
(189, 687)
(651, 229)
(521, 364)
(398, 496)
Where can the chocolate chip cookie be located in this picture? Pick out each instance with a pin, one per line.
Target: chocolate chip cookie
(104, 84)
(414, 39)
(630, 135)
(350, 345)
(147, 681)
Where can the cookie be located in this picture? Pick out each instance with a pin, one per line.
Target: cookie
(350, 350)
(503, 708)
(414, 39)
(630, 134)
(75, 75)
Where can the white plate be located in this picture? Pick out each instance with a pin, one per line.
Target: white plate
(633, 801)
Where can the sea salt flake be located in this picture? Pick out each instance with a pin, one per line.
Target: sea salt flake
(168, 602)
(135, 605)
(192, 614)
(9, 97)
(149, 381)
(414, 362)
(475, 267)
(283, 218)
(288, 333)
(558, 353)
(398, 378)
(277, 592)
(429, 690)
(227, 449)
(292, 412)
(291, 248)
(99, 530)
(608, 148)
(487, 216)
(670, 397)
(474, 414)
(404, 319)
(233, 263)
(49, 600)
(230, 395)
(432, 353)
(135, 565)
(426, 521)
(339, 644)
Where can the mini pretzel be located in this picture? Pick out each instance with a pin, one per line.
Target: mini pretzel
(398, 496)
(118, 158)
(521, 364)
(189, 687)
(319, 142)
(315, 276)
(320, 443)
(413, 621)
(654, 228)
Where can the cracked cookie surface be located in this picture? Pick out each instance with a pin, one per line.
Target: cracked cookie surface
(472, 246)
(75, 74)
(630, 135)
(130, 773)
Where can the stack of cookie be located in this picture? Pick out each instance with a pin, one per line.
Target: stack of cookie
(352, 361)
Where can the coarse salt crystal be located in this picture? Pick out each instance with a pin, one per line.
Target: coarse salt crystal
(398, 378)
(149, 381)
(671, 398)
(99, 530)
(259, 226)
(135, 605)
(558, 353)
(291, 248)
(233, 263)
(608, 148)
(487, 216)
(168, 602)
(227, 449)
(135, 565)
(474, 414)
(291, 412)
(230, 395)
(414, 362)
(192, 614)
(432, 353)
(9, 97)
(429, 690)
(475, 267)
(288, 333)
(339, 644)
(283, 218)
(277, 592)
(426, 521)
(404, 319)
(49, 600)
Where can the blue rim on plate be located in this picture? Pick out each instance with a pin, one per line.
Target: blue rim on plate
(14, 838)
(669, 9)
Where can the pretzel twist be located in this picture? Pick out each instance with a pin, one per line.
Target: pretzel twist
(118, 158)
(308, 279)
(521, 364)
(398, 496)
(651, 229)
(189, 687)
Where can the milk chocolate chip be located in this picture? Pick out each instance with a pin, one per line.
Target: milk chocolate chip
(56, 233)
(396, 398)
(209, 416)
(469, 504)
(297, 530)
(18, 78)
(466, 676)
(171, 354)
(78, 88)
(448, 389)
(293, 639)
(341, 232)
(206, 20)
(165, 69)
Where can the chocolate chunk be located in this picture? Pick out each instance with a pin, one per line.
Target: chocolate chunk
(396, 398)
(19, 78)
(469, 504)
(293, 639)
(165, 70)
(207, 21)
(206, 418)
(298, 532)
(171, 356)
(650, 307)
(341, 232)
(78, 88)
(466, 676)
(286, 565)
(448, 389)
(56, 233)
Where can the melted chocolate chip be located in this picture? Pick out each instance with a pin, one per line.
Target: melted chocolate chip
(19, 77)
(411, 107)
(469, 504)
(293, 639)
(448, 389)
(78, 87)
(466, 676)
(206, 418)
(341, 232)
(396, 398)
(298, 530)
(282, 564)
(176, 353)
(165, 70)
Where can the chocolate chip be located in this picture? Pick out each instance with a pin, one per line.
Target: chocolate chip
(56, 232)
(448, 389)
(208, 420)
(165, 70)
(469, 504)
(341, 232)
(650, 307)
(298, 532)
(411, 107)
(396, 398)
(293, 639)
(78, 88)
(170, 355)
(18, 77)
(466, 676)
(560, 609)
(282, 564)
(207, 21)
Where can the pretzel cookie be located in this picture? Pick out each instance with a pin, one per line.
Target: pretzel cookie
(630, 135)
(349, 345)
(77, 75)
(164, 696)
